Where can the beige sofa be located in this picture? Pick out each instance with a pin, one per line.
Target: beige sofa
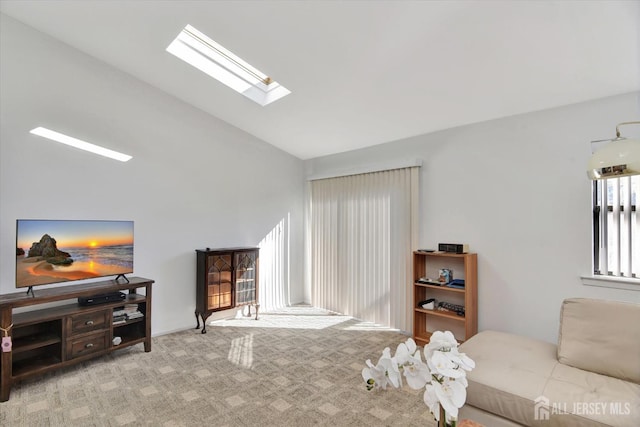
(591, 378)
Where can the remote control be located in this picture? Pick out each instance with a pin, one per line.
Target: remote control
(445, 306)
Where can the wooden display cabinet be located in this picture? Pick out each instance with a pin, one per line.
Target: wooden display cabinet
(426, 321)
(225, 278)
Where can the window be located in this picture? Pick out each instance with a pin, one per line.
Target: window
(616, 227)
(362, 232)
(203, 53)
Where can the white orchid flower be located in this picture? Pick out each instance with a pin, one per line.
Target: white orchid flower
(451, 395)
(441, 364)
(445, 337)
(463, 381)
(374, 376)
(402, 354)
(416, 371)
(461, 359)
(443, 375)
(440, 341)
(385, 372)
(411, 345)
(431, 400)
(391, 368)
(405, 350)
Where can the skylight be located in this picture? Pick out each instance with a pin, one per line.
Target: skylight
(198, 50)
(78, 143)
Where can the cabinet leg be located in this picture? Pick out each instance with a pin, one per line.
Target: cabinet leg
(204, 323)
(197, 320)
(257, 308)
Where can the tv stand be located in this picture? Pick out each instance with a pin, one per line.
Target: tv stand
(123, 276)
(30, 291)
(51, 338)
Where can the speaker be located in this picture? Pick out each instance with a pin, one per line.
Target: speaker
(455, 248)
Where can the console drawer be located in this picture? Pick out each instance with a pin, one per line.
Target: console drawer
(87, 322)
(87, 344)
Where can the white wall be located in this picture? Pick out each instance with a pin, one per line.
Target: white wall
(194, 181)
(516, 191)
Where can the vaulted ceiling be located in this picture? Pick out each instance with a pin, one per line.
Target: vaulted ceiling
(364, 72)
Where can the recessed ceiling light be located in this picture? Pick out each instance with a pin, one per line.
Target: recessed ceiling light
(78, 143)
(198, 50)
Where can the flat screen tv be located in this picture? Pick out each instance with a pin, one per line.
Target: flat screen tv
(54, 251)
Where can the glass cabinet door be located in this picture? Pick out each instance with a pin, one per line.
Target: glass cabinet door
(219, 281)
(245, 263)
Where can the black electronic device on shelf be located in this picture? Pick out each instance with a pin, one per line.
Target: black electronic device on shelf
(455, 248)
(102, 298)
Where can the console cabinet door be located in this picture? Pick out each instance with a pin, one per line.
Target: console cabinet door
(245, 279)
(219, 281)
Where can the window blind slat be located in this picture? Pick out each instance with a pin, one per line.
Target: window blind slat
(625, 235)
(604, 226)
(614, 245)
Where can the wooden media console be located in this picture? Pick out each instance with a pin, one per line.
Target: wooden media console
(51, 338)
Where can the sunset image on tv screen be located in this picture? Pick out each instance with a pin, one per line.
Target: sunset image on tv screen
(51, 251)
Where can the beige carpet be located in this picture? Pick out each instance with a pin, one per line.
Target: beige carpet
(297, 367)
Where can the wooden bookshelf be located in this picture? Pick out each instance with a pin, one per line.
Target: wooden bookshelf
(427, 321)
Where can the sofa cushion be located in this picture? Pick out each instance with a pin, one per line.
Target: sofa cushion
(511, 372)
(582, 398)
(601, 336)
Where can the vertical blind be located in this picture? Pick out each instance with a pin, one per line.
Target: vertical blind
(616, 227)
(363, 229)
